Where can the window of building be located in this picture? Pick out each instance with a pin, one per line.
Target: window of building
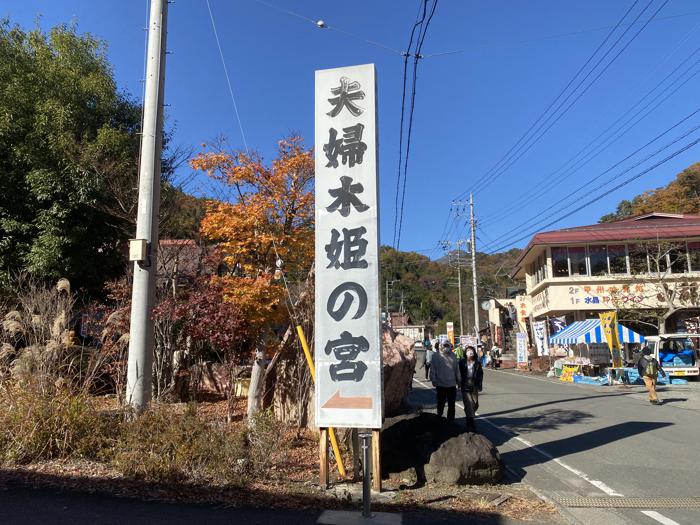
(545, 268)
(537, 270)
(599, 259)
(694, 256)
(577, 258)
(560, 262)
(639, 262)
(677, 259)
(617, 255)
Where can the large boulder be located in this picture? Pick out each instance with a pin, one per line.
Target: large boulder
(399, 362)
(467, 459)
(425, 447)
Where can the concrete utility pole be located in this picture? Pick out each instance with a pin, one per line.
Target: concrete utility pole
(461, 310)
(141, 337)
(386, 306)
(457, 263)
(472, 225)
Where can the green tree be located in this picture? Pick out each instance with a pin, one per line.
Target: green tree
(59, 112)
(69, 147)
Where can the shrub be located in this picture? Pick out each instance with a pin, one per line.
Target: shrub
(162, 447)
(36, 424)
(266, 441)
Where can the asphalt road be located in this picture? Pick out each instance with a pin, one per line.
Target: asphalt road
(567, 440)
(28, 506)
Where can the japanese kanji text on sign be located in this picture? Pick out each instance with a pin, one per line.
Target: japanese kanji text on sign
(347, 334)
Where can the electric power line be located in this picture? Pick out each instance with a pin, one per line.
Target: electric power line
(401, 126)
(604, 194)
(504, 158)
(578, 97)
(422, 32)
(563, 200)
(581, 31)
(228, 79)
(539, 189)
(322, 24)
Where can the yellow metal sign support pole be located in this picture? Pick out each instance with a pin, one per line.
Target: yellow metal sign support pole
(331, 432)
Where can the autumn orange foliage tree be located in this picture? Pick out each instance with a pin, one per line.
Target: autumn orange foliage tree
(271, 215)
(681, 195)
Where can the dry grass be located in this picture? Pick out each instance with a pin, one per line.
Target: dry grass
(185, 453)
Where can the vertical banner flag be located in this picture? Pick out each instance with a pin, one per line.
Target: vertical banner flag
(557, 324)
(608, 323)
(348, 344)
(450, 332)
(521, 349)
(540, 328)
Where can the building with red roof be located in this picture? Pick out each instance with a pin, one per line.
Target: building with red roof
(648, 262)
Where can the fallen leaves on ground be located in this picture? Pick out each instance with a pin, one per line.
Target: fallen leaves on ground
(292, 483)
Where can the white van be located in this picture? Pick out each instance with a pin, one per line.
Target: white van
(677, 353)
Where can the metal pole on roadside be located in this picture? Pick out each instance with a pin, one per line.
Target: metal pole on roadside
(141, 336)
(366, 475)
(472, 224)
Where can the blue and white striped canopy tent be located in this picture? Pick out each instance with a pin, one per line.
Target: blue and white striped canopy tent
(589, 331)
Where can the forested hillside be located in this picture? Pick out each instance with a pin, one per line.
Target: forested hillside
(681, 195)
(429, 288)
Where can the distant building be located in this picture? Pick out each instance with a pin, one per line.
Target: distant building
(181, 261)
(401, 323)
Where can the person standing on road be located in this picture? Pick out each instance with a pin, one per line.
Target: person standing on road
(649, 368)
(495, 353)
(429, 352)
(444, 374)
(472, 374)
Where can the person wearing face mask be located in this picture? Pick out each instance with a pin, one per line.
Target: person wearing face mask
(472, 374)
(444, 374)
(429, 353)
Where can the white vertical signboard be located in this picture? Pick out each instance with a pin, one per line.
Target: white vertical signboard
(541, 338)
(347, 333)
(521, 348)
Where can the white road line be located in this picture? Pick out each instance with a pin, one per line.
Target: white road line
(659, 517)
(596, 483)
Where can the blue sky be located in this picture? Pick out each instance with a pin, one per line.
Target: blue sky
(471, 106)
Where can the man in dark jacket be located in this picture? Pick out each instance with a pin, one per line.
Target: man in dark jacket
(649, 368)
(472, 375)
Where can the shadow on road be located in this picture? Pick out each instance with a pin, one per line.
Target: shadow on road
(425, 399)
(555, 402)
(518, 460)
(28, 498)
(542, 420)
(673, 400)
